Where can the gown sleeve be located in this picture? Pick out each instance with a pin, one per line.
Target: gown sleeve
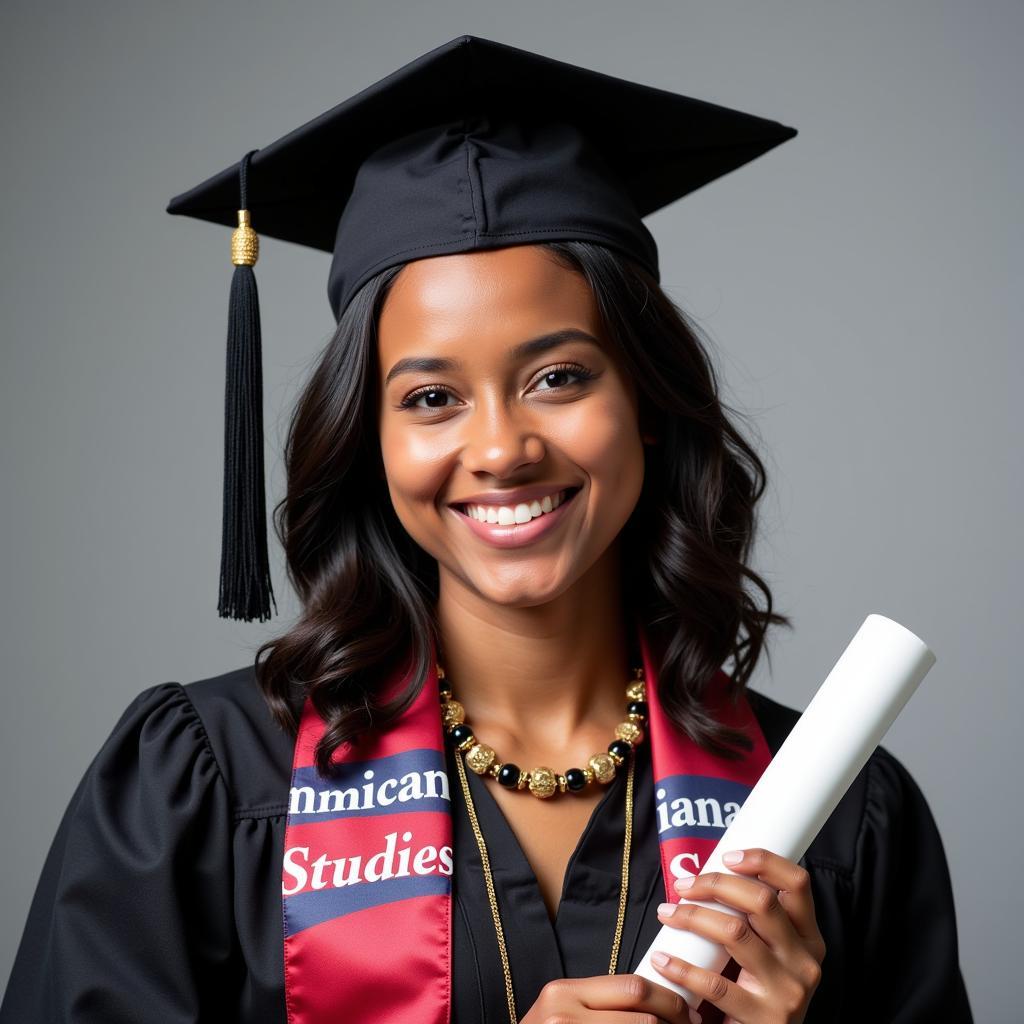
(132, 915)
(904, 900)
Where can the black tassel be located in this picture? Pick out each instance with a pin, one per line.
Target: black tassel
(245, 587)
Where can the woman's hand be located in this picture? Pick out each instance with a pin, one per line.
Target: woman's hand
(775, 941)
(609, 999)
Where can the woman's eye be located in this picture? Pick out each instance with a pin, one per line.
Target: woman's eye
(560, 372)
(430, 393)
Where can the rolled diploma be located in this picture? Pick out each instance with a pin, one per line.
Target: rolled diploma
(830, 743)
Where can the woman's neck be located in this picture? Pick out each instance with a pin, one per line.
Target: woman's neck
(544, 679)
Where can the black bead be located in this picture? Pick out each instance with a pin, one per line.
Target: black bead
(508, 776)
(575, 779)
(637, 707)
(460, 734)
(619, 747)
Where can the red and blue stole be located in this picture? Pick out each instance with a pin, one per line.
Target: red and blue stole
(366, 878)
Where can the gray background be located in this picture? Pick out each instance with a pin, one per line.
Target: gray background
(856, 283)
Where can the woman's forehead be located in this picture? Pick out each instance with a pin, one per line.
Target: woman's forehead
(496, 292)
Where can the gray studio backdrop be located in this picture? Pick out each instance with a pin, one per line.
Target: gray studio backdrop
(860, 285)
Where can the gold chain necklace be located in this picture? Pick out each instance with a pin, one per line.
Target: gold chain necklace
(635, 691)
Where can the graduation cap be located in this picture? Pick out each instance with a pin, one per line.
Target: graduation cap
(473, 145)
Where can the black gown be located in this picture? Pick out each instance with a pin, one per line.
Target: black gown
(160, 898)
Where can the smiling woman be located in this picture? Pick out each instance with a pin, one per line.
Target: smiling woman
(519, 519)
(662, 486)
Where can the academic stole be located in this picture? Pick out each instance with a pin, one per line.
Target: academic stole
(366, 878)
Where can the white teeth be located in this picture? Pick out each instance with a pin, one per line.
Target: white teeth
(508, 515)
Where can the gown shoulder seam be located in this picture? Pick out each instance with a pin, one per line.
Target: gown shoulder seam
(870, 784)
(206, 741)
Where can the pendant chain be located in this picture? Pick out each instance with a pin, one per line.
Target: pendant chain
(493, 899)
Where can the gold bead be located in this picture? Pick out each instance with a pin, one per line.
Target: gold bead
(542, 782)
(562, 786)
(454, 714)
(524, 778)
(633, 716)
(588, 775)
(480, 757)
(444, 688)
(495, 770)
(466, 745)
(615, 757)
(636, 690)
(603, 767)
(629, 731)
(245, 243)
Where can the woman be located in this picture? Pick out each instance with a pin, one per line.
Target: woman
(517, 517)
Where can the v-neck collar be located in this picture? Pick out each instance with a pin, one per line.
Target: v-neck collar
(578, 942)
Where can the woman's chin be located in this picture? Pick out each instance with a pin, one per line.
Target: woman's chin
(531, 582)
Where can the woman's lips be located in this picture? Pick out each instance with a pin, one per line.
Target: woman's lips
(517, 534)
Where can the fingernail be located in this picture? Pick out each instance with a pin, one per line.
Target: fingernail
(667, 909)
(733, 857)
(695, 1016)
(659, 958)
(684, 883)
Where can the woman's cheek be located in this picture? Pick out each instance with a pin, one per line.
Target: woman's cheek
(600, 440)
(417, 471)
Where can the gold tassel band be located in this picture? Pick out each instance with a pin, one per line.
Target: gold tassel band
(245, 243)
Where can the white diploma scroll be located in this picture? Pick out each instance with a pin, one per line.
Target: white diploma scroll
(822, 755)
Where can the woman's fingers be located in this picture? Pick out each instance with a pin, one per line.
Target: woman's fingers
(732, 1000)
(733, 932)
(785, 920)
(610, 999)
(792, 882)
(760, 902)
(627, 991)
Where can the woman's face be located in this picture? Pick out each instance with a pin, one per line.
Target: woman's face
(495, 376)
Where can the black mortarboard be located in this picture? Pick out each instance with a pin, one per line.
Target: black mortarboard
(473, 145)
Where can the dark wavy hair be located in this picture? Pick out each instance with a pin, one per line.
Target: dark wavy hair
(368, 590)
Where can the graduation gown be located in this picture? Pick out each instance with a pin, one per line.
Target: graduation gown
(160, 897)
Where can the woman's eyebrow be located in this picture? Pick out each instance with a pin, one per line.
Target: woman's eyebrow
(430, 364)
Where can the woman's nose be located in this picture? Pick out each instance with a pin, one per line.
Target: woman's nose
(499, 440)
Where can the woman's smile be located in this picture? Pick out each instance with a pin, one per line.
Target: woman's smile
(510, 526)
